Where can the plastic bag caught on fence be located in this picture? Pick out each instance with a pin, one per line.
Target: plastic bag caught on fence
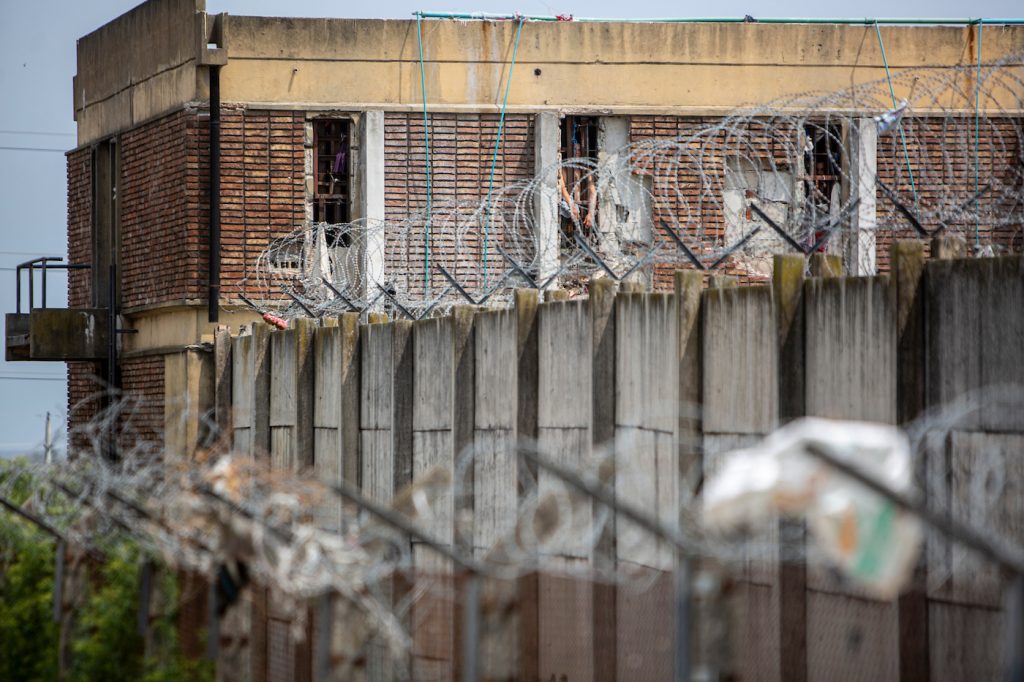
(871, 540)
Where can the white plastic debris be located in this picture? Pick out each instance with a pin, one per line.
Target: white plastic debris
(887, 121)
(872, 541)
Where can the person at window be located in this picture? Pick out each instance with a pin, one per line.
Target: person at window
(571, 190)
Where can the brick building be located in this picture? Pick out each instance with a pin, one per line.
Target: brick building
(202, 139)
(323, 120)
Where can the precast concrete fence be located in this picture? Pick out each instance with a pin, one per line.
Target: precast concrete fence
(654, 387)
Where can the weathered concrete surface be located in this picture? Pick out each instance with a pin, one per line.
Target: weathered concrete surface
(371, 196)
(966, 642)
(850, 363)
(654, 65)
(68, 334)
(147, 62)
(564, 413)
(496, 481)
(385, 423)
(850, 373)
(291, 397)
(442, 422)
(336, 410)
(647, 476)
(740, 361)
(495, 379)
(140, 65)
(188, 402)
(250, 391)
(975, 337)
(850, 638)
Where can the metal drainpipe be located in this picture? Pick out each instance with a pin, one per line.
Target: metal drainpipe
(214, 293)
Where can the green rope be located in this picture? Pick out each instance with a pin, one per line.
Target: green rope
(426, 133)
(497, 145)
(977, 94)
(925, 21)
(892, 93)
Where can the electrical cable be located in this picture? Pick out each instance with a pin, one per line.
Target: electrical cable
(497, 145)
(426, 133)
(33, 149)
(903, 137)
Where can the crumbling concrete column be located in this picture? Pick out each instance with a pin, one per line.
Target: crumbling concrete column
(863, 148)
(371, 179)
(624, 207)
(546, 143)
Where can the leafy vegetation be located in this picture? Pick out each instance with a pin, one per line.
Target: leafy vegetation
(105, 643)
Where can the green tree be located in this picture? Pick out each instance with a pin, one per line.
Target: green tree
(28, 634)
(106, 644)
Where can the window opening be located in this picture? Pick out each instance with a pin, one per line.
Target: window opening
(823, 171)
(577, 183)
(332, 177)
(105, 229)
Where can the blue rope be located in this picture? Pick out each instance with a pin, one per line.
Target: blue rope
(497, 144)
(892, 93)
(426, 132)
(977, 92)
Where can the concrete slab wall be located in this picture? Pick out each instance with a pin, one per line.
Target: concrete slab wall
(647, 476)
(564, 422)
(336, 410)
(740, 375)
(385, 430)
(850, 373)
(496, 481)
(442, 423)
(974, 376)
(464, 391)
(291, 449)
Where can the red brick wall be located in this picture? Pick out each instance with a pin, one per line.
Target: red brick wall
(157, 242)
(80, 374)
(462, 148)
(942, 158)
(164, 204)
(941, 155)
(142, 415)
(165, 200)
(84, 402)
(262, 188)
(681, 199)
(79, 225)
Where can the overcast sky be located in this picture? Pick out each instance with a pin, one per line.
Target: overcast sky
(37, 62)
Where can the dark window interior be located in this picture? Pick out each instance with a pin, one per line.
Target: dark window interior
(823, 170)
(332, 179)
(579, 141)
(105, 237)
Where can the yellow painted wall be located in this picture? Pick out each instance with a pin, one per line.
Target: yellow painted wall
(147, 63)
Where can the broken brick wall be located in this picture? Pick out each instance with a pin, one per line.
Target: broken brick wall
(687, 186)
(942, 158)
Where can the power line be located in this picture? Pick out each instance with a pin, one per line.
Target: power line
(35, 132)
(34, 149)
(15, 378)
(37, 269)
